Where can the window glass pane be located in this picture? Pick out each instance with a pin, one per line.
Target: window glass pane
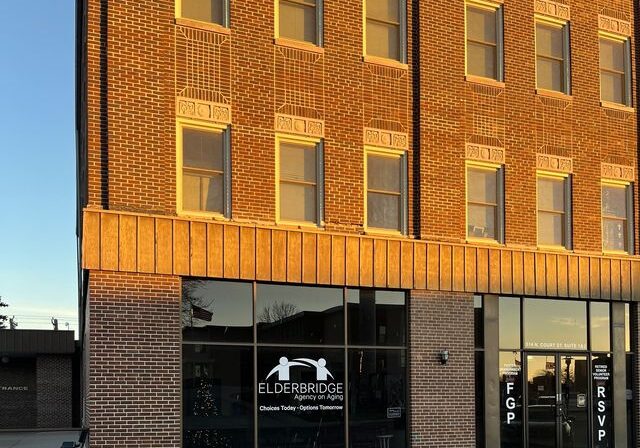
(297, 162)
(299, 314)
(482, 60)
(551, 193)
(202, 149)
(298, 21)
(612, 87)
(478, 318)
(627, 327)
(510, 374)
(203, 10)
(383, 211)
(298, 202)
(600, 327)
(383, 40)
(509, 322)
(614, 235)
(214, 311)
(551, 229)
(631, 428)
(376, 317)
(212, 193)
(550, 74)
(482, 221)
(612, 55)
(377, 398)
(614, 201)
(217, 396)
(555, 324)
(482, 185)
(383, 173)
(481, 25)
(191, 192)
(301, 397)
(386, 10)
(549, 41)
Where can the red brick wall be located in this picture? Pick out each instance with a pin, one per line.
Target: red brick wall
(134, 360)
(442, 406)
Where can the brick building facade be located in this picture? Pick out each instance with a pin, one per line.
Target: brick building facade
(154, 73)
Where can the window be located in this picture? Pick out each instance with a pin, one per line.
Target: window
(385, 29)
(552, 56)
(484, 203)
(300, 20)
(617, 225)
(275, 365)
(386, 190)
(615, 77)
(210, 11)
(203, 164)
(300, 181)
(484, 41)
(554, 224)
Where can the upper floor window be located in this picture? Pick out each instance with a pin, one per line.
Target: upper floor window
(554, 199)
(617, 217)
(615, 71)
(203, 164)
(485, 211)
(386, 200)
(552, 56)
(385, 29)
(484, 40)
(300, 181)
(300, 20)
(210, 11)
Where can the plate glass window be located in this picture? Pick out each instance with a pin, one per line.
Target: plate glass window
(615, 216)
(203, 170)
(298, 182)
(384, 28)
(384, 191)
(614, 71)
(483, 210)
(483, 41)
(551, 57)
(552, 211)
(211, 11)
(299, 20)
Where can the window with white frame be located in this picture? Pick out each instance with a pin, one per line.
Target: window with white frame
(554, 206)
(484, 40)
(204, 167)
(484, 202)
(300, 20)
(552, 56)
(209, 11)
(386, 201)
(615, 70)
(385, 29)
(617, 217)
(300, 181)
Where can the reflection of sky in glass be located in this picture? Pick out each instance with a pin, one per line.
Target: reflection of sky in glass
(555, 324)
(230, 302)
(627, 327)
(600, 327)
(382, 297)
(509, 322)
(304, 298)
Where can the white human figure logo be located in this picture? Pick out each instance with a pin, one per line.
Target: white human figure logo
(282, 369)
(322, 373)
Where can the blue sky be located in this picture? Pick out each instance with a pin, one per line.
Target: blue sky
(37, 162)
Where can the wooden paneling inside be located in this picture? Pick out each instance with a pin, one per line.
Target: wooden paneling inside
(165, 245)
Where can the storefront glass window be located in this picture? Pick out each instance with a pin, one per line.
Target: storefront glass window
(600, 327)
(376, 317)
(602, 384)
(510, 399)
(509, 320)
(555, 324)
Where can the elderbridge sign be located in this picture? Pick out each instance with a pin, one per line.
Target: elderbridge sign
(323, 394)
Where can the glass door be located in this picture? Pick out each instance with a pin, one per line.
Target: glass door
(557, 401)
(542, 409)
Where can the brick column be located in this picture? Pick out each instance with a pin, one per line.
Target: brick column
(442, 396)
(134, 360)
(635, 346)
(54, 377)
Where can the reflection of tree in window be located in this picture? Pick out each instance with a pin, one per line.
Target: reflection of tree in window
(276, 312)
(190, 300)
(205, 405)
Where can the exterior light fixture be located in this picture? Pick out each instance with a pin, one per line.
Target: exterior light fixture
(444, 356)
